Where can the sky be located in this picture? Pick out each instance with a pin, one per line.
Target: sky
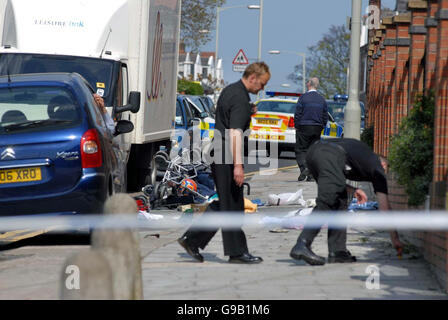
(291, 25)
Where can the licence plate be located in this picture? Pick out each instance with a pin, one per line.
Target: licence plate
(20, 175)
(267, 137)
(267, 122)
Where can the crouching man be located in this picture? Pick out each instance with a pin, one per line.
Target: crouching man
(331, 163)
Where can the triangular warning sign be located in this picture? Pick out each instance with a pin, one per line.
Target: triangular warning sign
(240, 58)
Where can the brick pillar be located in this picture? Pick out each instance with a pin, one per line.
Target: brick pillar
(438, 241)
(441, 88)
(389, 99)
(403, 42)
(431, 45)
(372, 88)
(381, 79)
(419, 11)
(379, 125)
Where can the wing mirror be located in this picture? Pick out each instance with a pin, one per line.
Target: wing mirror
(122, 127)
(133, 105)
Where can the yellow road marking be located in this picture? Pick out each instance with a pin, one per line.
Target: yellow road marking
(18, 235)
(29, 235)
(12, 233)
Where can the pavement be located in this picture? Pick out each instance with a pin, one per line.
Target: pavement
(31, 268)
(170, 274)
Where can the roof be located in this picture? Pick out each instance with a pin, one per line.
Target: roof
(204, 56)
(402, 6)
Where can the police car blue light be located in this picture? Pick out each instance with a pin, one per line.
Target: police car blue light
(340, 97)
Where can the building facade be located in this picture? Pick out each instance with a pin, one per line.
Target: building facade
(407, 56)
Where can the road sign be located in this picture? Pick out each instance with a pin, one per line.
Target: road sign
(240, 62)
(240, 59)
(239, 68)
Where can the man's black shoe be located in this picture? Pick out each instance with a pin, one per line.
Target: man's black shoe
(341, 257)
(310, 179)
(302, 177)
(246, 258)
(302, 252)
(192, 251)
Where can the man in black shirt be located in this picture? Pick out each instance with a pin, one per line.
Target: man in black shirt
(331, 163)
(233, 114)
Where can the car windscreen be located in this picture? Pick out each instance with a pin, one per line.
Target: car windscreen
(97, 72)
(197, 101)
(277, 106)
(337, 109)
(31, 109)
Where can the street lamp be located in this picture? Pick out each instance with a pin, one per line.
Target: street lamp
(303, 55)
(218, 10)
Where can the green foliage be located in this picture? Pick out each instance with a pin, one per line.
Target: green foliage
(328, 60)
(412, 150)
(367, 136)
(198, 15)
(189, 87)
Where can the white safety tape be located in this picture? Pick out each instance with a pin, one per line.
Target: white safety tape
(411, 220)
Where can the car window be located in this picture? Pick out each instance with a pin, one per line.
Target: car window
(206, 104)
(188, 111)
(194, 109)
(36, 109)
(277, 106)
(337, 109)
(98, 72)
(199, 103)
(179, 114)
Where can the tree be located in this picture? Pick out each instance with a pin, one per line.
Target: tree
(189, 87)
(412, 150)
(328, 60)
(198, 15)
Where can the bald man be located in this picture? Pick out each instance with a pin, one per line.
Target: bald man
(310, 119)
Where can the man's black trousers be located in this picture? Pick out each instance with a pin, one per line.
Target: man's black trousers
(231, 200)
(305, 137)
(326, 161)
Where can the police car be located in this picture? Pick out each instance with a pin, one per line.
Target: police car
(274, 122)
(190, 116)
(336, 107)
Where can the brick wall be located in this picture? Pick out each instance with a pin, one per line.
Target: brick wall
(413, 60)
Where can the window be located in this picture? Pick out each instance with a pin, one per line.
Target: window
(97, 72)
(36, 109)
(188, 112)
(179, 115)
(277, 106)
(125, 84)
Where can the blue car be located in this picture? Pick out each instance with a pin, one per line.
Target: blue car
(336, 107)
(57, 156)
(191, 115)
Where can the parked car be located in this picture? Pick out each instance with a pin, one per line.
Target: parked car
(210, 105)
(189, 115)
(56, 154)
(337, 108)
(200, 103)
(274, 122)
